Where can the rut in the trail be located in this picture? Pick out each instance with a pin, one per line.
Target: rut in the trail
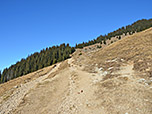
(81, 98)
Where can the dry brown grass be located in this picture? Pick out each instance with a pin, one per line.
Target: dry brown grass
(120, 96)
(131, 48)
(136, 48)
(120, 91)
(23, 79)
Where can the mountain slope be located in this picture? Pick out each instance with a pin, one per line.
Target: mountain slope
(113, 80)
(136, 48)
(37, 61)
(56, 54)
(137, 26)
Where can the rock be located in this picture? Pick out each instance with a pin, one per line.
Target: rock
(121, 59)
(16, 86)
(104, 73)
(141, 80)
(101, 69)
(110, 68)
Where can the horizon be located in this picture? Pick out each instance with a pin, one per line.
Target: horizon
(28, 26)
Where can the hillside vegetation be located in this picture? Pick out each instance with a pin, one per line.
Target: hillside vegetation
(56, 54)
(137, 26)
(37, 61)
(136, 48)
(115, 79)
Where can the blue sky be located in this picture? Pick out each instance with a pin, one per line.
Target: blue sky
(27, 26)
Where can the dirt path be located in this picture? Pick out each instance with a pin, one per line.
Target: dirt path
(81, 98)
(112, 80)
(72, 90)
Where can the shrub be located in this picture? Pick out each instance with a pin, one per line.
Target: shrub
(80, 53)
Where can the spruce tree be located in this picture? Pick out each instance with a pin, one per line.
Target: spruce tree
(104, 42)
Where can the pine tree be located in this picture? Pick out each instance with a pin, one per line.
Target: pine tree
(119, 37)
(104, 42)
(55, 54)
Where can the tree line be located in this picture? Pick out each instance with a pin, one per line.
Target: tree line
(36, 61)
(54, 54)
(137, 26)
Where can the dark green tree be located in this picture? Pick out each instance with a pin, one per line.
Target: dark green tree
(137, 26)
(104, 42)
(55, 54)
(37, 61)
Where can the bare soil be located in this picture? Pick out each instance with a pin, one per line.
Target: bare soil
(115, 79)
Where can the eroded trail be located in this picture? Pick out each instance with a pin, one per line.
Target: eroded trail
(116, 79)
(81, 97)
(71, 91)
(68, 89)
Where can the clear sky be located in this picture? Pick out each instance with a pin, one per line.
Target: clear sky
(27, 26)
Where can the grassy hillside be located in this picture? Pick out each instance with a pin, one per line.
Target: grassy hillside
(136, 48)
(56, 54)
(37, 61)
